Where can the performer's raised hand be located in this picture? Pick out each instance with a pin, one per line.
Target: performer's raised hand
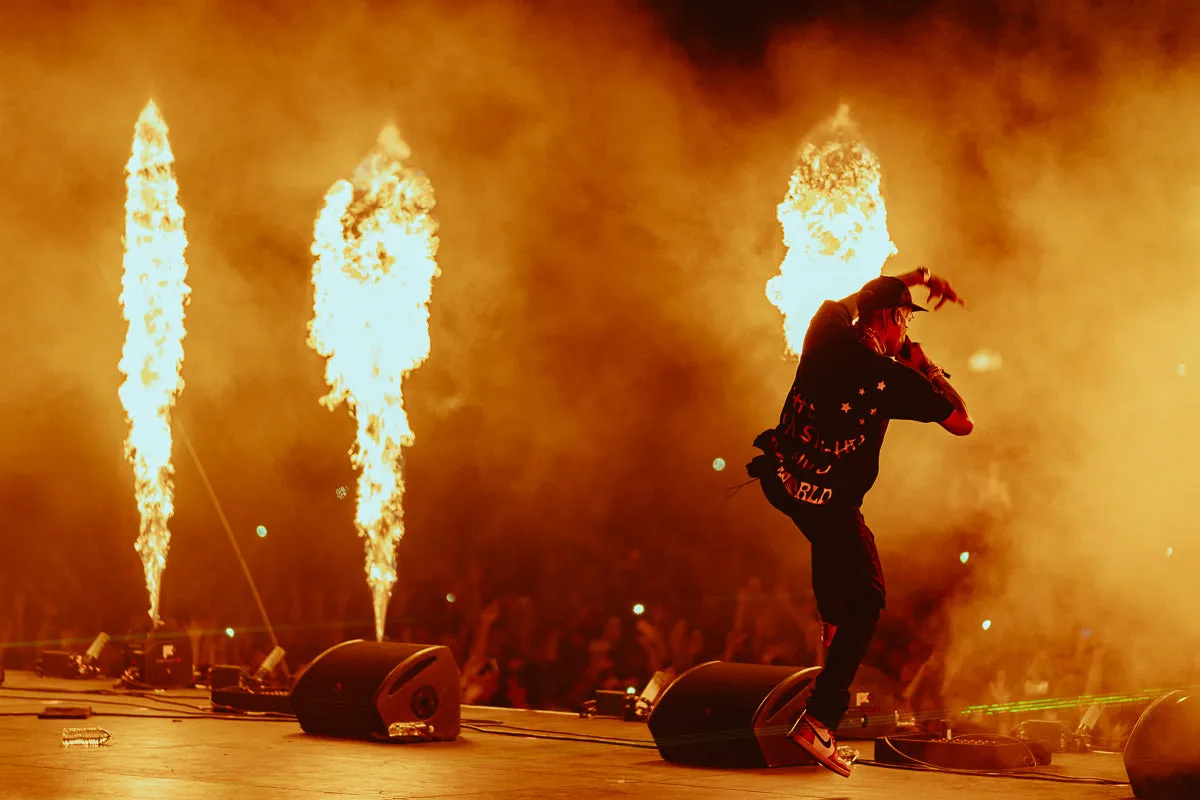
(941, 291)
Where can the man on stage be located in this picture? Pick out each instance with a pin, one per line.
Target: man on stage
(819, 462)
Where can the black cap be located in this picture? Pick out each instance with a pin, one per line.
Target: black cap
(885, 292)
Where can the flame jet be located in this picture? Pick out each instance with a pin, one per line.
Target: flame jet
(375, 245)
(834, 226)
(154, 292)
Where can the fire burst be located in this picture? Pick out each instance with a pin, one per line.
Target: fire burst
(834, 226)
(375, 245)
(153, 294)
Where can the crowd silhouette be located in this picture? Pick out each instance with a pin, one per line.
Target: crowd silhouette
(552, 643)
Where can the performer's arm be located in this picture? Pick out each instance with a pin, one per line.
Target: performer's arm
(959, 422)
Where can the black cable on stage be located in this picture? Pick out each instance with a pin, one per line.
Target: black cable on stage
(917, 766)
(94, 693)
(537, 733)
(96, 700)
(1017, 775)
(553, 736)
(195, 712)
(166, 701)
(517, 728)
(500, 728)
(265, 716)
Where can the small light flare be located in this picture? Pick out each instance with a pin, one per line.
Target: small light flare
(451, 598)
(987, 624)
(964, 556)
(639, 609)
(229, 632)
(261, 530)
(630, 690)
(1169, 551)
(374, 244)
(985, 361)
(718, 464)
(1181, 370)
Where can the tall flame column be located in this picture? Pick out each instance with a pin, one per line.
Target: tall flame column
(375, 245)
(834, 225)
(154, 292)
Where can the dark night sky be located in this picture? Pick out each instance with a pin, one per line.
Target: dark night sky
(714, 31)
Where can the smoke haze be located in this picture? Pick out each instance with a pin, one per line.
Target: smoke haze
(606, 200)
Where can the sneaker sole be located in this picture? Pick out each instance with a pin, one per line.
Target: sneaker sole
(819, 758)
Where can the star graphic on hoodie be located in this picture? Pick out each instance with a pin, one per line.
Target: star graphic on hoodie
(846, 407)
(881, 386)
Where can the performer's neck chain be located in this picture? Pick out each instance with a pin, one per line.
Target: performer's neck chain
(870, 339)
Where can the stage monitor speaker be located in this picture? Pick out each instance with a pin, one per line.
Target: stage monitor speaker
(364, 690)
(1162, 754)
(719, 714)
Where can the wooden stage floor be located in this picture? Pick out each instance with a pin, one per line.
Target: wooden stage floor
(167, 746)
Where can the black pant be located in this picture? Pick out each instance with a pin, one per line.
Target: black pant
(847, 581)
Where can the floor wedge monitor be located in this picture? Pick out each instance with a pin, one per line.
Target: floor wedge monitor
(385, 691)
(720, 714)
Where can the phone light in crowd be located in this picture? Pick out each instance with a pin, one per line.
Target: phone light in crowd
(987, 623)
(229, 632)
(630, 690)
(261, 530)
(1169, 551)
(964, 556)
(984, 361)
(718, 464)
(639, 609)
(450, 598)
(1181, 370)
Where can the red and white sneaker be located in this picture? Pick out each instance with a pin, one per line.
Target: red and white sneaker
(818, 741)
